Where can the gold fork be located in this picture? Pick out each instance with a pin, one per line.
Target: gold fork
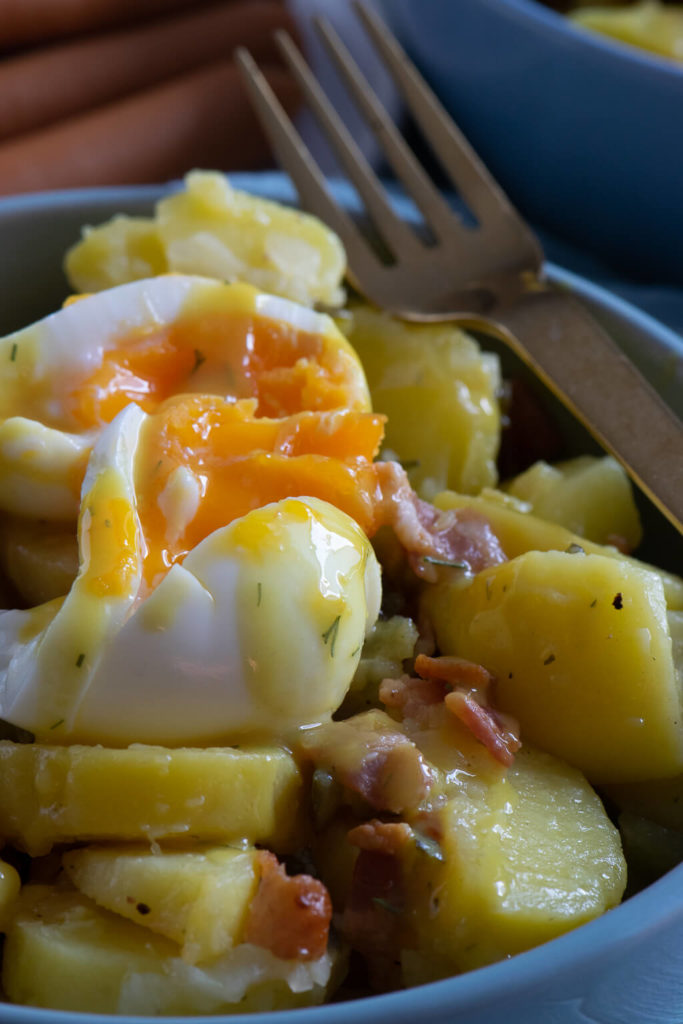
(486, 277)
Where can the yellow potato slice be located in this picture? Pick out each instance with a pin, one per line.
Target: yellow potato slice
(56, 794)
(64, 953)
(199, 898)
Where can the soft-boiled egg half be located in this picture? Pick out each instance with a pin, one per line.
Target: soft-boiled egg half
(63, 378)
(182, 420)
(257, 632)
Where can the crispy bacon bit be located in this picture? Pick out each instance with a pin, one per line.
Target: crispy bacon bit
(469, 701)
(452, 670)
(371, 757)
(464, 688)
(454, 536)
(381, 836)
(498, 732)
(413, 698)
(290, 915)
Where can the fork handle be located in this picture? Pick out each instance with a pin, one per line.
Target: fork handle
(590, 375)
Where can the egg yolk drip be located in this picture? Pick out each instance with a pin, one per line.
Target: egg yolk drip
(239, 354)
(206, 461)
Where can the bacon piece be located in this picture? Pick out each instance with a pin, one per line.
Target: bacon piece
(370, 756)
(454, 536)
(290, 915)
(454, 671)
(498, 732)
(381, 836)
(413, 698)
(470, 702)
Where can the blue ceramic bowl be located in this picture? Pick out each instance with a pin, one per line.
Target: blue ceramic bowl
(624, 968)
(584, 133)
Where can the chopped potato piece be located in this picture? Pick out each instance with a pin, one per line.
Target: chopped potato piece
(64, 953)
(532, 857)
(54, 795)
(590, 496)
(199, 898)
(439, 391)
(582, 653)
(649, 24)
(211, 229)
(519, 531)
(9, 890)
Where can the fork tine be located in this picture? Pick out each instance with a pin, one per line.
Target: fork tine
(297, 160)
(397, 235)
(481, 192)
(436, 211)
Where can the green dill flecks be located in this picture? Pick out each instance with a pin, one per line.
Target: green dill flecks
(330, 635)
(429, 845)
(593, 603)
(199, 358)
(56, 725)
(80, 659)
(355, 651)
(259, 594)
(549, 660)
(107, 522)
(379, 901)
(444, 561)
(618, 601)
(13, 353)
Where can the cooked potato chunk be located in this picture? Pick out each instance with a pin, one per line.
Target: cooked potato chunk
(439, 391)
(582, 652)
(519, 530)
(590, 496)
(199, 898)
(54, 795)
(211, 229)
(525, 860)
(64, 953)
(9, 890)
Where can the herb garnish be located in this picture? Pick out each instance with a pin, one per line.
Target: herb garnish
(330, 635)
(444, 561)
(80, 659)
(13, 353)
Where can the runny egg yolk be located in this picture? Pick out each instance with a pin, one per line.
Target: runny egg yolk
(242, 355)
(205, 462)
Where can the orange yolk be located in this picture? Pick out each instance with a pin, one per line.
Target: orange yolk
(239, 462)
(240, 355)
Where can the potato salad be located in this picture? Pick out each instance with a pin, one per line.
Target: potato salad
(303, 693)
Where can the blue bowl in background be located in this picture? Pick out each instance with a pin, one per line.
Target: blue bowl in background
(583, 132)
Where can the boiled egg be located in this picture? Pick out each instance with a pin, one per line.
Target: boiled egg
(63, 378)
(257, 631)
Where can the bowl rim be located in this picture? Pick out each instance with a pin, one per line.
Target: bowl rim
(619, 51)
(485, 988)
